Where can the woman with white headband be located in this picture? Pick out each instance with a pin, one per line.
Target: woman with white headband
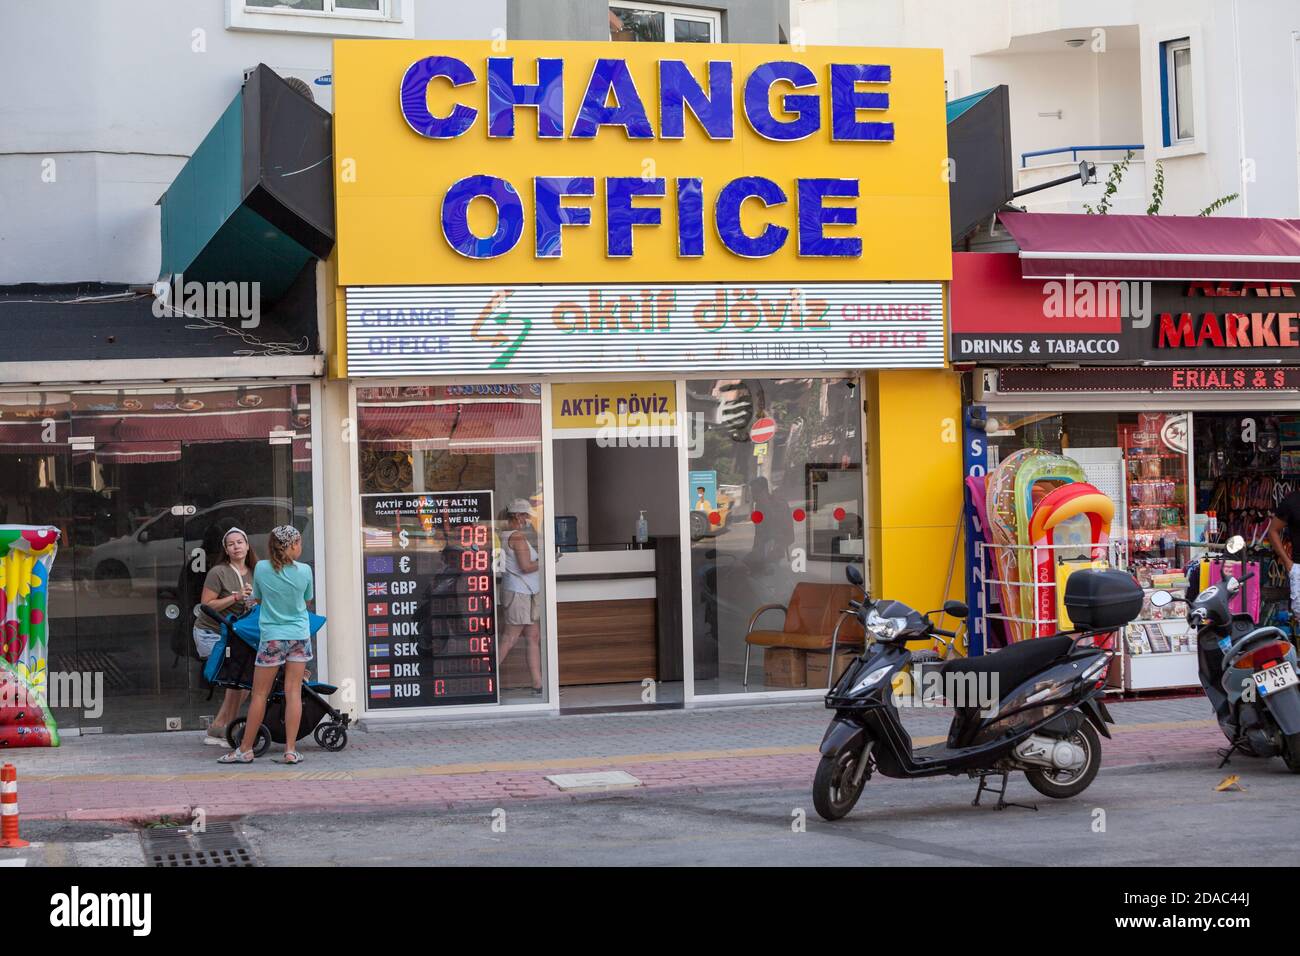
(284, 587)
(228, 589)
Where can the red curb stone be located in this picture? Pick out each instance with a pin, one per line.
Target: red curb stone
(117, 800)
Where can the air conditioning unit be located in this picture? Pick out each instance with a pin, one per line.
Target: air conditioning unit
(315, 84)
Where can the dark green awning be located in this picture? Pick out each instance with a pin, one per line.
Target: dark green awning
(979, 148)
(256, 200)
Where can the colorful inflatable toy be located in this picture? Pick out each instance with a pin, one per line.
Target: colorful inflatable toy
(1073, 521)
(26, 556)
(1036, 503)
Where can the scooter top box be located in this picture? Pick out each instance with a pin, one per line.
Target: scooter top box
(1099, 599)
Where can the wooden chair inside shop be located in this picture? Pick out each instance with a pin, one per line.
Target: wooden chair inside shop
(813, 622)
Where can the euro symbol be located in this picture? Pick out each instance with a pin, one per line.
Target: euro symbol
(405, 564)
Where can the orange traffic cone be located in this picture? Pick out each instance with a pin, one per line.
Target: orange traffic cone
(9, 808)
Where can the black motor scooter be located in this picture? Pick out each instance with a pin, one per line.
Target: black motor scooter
(1039, 712)
(1248, 672)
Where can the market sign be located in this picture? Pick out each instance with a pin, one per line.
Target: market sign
(998, 317)
(569, 162)
(490, 330)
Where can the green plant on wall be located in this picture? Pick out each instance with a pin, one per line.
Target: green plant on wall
(1157, 191)
(1112, 187)
(1218, 204)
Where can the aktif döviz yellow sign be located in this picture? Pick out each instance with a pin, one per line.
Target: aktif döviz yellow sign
(545, 162)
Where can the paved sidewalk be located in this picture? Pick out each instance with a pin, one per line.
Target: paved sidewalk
(443, 765)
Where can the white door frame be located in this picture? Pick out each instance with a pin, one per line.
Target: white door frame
(684, 539)
(545, 541)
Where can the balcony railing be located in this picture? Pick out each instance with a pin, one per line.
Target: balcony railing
(1074, 151)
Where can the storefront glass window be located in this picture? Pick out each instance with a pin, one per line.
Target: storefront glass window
(1140, 461)
(142, 485)
(451, 502)
(776, 510)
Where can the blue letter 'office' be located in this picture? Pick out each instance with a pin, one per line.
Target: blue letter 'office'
(455, 217)
(813, 215)
(726, 215)
(621, 215)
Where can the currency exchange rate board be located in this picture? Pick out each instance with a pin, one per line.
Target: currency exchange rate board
(430, 601)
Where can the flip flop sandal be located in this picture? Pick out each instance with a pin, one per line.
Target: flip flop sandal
(291, 757)
(237, 756)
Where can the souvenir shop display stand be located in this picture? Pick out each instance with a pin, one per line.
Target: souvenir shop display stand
(1156, 651)
(1046, 614)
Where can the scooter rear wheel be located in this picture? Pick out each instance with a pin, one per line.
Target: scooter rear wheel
(1062, 784)
(834, 793)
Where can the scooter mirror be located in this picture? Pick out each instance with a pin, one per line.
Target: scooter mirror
(854, 574)
(1235, 544)
(1162, 599)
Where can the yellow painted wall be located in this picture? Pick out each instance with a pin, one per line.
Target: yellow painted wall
(336, 334)
(914, 485)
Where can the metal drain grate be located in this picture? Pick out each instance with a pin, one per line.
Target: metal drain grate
(220, 844)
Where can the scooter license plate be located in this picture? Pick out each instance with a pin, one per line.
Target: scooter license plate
(1276, 678)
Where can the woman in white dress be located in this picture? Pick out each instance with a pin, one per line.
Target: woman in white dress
(521, 589)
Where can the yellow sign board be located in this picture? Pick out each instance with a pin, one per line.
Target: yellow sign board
(613, 408)
(461, 162)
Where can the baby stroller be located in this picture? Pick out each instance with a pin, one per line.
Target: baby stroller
(232, 663)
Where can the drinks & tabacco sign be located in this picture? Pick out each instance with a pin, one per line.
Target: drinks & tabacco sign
(612, 197)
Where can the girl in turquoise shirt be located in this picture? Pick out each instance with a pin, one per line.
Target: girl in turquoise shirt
(283, 586)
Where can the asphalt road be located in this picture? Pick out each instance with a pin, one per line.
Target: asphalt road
(1169, 816)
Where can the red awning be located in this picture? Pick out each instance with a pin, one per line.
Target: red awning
(464, 427)
(1056, 245)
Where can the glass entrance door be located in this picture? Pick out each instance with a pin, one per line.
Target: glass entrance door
(142, 485)
(618, 515)
(128, 525)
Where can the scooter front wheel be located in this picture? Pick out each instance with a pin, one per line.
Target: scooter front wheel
(834, 792)
(1291, 752)
(1062, 784)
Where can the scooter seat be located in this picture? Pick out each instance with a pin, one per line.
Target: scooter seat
(1015, 663)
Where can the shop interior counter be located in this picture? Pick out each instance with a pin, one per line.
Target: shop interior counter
(606, 607)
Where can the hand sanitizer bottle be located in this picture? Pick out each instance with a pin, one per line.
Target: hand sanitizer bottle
(642, 531)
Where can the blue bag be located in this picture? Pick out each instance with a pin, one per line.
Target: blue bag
(249, 631)
(249, 627)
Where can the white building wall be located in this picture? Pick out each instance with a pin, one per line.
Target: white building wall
(104, 102)
(1248, 85)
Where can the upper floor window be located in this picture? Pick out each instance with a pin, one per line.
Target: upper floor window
(660, 23)
(391, 19)
(1176, 91)
(347, 8)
